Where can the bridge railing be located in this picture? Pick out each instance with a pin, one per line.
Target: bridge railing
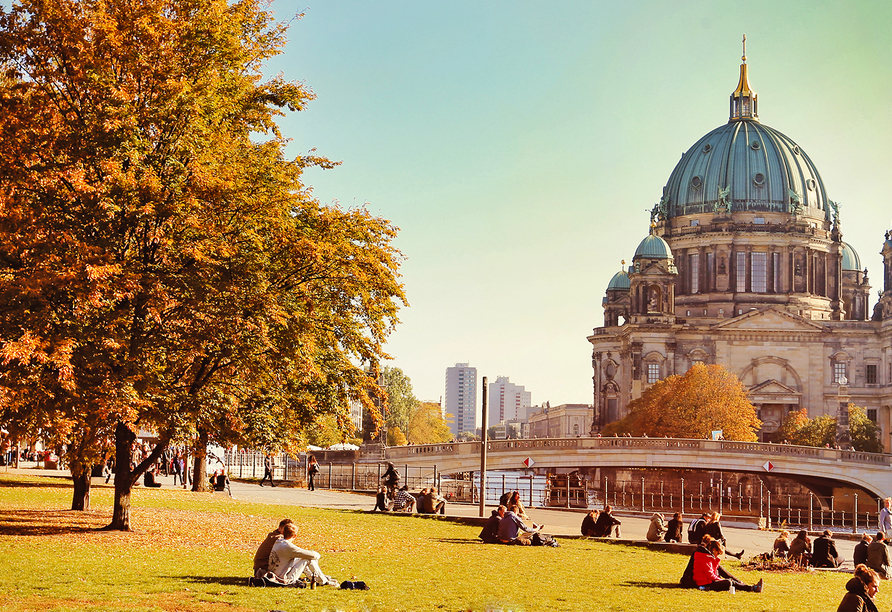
(466, 449)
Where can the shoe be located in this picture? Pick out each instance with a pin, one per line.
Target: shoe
(332, 581)
(739, 555)
(758, 587)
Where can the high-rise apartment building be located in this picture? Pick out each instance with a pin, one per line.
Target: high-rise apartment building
(507, 401)
(461, 398)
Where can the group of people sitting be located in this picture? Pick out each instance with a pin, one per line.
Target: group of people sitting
(601, 523)
(507, 523)
(428, 501)
(279, 562)
(821, 553)
(874, 553)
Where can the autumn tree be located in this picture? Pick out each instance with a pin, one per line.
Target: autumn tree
(162, 264)
(427, 425)
(705, 399)
(820, 431)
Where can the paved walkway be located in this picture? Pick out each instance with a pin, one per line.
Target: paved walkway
(557, 522)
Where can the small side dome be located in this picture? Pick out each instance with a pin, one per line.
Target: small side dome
(620, 280)
(653, 247)
(850, 260)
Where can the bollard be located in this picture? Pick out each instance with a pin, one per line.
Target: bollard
(855, 517)
(682, 495)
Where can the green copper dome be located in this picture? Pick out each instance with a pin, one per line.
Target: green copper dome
(749, 167)
(745, 166)
(850, 259)
(653, 247)
(620, 280)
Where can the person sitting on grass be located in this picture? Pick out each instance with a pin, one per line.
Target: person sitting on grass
(800, 548)
(860, 591)
(512, 530)
(859, 557)
(782, 545)
(430, 502)
(404, 501)
(382, 502)
(714, 530)
(149, 478)
(287, 562)
(878, 558)
(706, 573)
(674, 527)
(589, 522)
(490, 532)
(261, 557)
(607, 523)
(824, 552)
(657, 528)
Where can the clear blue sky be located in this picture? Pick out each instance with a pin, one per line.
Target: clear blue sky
(519, 146)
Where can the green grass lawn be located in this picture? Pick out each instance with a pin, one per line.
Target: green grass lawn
(194, 552)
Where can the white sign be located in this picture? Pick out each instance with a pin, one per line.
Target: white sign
(528, 462)
(768, 466)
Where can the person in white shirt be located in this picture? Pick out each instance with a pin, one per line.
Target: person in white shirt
(287, 561)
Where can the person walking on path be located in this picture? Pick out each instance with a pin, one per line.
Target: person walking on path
(268, 470)
(312, 470)
(886, 518)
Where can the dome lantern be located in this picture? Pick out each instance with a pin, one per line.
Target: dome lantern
(744, 101)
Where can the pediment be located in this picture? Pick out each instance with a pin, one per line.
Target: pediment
(772, 387)
(770, 319)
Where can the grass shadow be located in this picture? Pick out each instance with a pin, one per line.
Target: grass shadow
(459, 541)
(220, 580)
(48, 522)
(30, 484)
(652, 585)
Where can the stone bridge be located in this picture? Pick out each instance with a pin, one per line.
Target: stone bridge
(868, 471)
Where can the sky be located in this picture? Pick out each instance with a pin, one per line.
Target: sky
(519, 146)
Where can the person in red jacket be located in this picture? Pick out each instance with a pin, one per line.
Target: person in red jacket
(706, 571)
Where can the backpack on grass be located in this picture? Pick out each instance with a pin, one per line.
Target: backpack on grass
(543, 539)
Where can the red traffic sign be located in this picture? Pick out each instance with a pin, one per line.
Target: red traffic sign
(768, 466)
(528, 462)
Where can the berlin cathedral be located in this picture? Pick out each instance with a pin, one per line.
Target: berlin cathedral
(745, 266)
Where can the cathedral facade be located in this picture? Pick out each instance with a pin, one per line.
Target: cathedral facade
(745, 266)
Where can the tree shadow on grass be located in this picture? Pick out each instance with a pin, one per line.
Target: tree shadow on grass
(459, 541)
(48, 484)
(49, 522)
(652, 585)
(220, 580)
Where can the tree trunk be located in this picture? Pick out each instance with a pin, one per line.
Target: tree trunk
(124, 439)
(81, 476)
(200, 469)
(125, 478)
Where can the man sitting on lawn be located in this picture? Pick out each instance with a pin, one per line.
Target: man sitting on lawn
(261, 558)
(403, 500)
(287, 562)
(490, 532)
(431, 502)
(512, 530)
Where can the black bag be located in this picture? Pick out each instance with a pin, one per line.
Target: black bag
(358, 586)
(543, 539)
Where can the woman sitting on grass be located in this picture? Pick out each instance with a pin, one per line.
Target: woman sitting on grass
(800, 548)
(782, 545)
(706, 571)
(860, 591)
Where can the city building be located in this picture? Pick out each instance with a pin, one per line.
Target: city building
(507, 401)
(564, 421)
(745, 266)
(461, 398)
